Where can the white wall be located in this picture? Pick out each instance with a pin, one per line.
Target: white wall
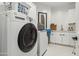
(46, 9)
(77, 16)
(77, 24)
(58, 16)
(63, 17)
(77, 19)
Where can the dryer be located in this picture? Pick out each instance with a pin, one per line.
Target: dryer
(17, 36)
(42, 43)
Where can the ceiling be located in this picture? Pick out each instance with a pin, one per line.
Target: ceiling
(57, 4)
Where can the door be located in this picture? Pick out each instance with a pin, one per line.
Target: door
(27, 37)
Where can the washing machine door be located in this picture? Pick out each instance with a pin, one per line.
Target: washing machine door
(27, 37)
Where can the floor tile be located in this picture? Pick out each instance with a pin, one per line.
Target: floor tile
(57, 50)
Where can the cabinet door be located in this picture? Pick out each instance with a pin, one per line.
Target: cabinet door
(62, 38)
(66, 39)
(59, 38)
(53, 37)
(71, 41)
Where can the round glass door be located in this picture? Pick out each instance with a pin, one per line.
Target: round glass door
(27, 37)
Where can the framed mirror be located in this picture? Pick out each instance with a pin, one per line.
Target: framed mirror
(42, 21)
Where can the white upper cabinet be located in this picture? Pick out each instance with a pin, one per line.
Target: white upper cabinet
(71, 16)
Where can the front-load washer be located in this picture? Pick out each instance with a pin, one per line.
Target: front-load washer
(17, 37)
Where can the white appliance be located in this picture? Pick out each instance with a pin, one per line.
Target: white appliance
(17, 37)
(42, 43)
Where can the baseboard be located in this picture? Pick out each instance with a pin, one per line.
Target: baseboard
(61, 44)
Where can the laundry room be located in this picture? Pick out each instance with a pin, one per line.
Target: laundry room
(60, 21)
(39, 29)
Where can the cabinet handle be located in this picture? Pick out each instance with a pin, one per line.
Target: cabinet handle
(62, 35)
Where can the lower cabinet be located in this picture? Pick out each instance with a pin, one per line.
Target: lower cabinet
(65, 39)
(55, 38)
(62, 38)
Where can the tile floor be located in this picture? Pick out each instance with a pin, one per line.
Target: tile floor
(57, 50)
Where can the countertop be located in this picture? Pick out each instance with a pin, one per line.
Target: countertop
(65, 31)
